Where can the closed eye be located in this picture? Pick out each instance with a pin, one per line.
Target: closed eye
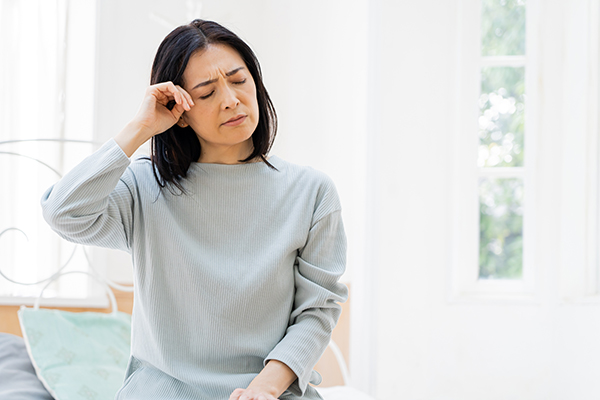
(235, 83)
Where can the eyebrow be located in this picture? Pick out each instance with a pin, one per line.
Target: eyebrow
(232, 72)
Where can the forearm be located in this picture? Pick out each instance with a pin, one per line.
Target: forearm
(274, 379)
(131, 138)
(316, 304)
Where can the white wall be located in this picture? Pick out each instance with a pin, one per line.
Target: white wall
(413, 96)
(428, 346)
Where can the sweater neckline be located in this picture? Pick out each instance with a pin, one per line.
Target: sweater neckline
(238, 167)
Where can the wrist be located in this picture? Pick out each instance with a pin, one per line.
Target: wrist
(138, 130)
(265, 388)
(274, 379)
(131, 137)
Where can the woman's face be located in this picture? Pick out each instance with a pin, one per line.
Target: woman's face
(225, 113)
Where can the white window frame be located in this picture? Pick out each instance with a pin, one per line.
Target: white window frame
(464, 283)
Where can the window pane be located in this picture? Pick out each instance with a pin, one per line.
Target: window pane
(503, 27)
(501, 117)
(501, 228)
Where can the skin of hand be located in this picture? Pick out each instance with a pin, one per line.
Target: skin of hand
(272, 381)
(153, 115)
(250, 394)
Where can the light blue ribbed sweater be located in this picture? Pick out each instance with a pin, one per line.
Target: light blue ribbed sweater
(241, 270)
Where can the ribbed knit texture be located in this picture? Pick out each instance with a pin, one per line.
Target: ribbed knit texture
(242, 269)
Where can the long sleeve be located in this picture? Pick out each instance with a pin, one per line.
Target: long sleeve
(93, 203)
(319, 266)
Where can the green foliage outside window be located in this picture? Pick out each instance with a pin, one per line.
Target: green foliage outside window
(501, 141)
(501, 228)
(503, 28)
(502, 117)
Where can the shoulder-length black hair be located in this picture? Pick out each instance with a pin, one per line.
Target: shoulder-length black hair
(175, 149)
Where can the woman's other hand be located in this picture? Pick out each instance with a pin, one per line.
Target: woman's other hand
(251, 394)
(269, 384)
(154, 116)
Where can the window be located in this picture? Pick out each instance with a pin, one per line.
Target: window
(502, 148)
(493, 205)
(47, 76)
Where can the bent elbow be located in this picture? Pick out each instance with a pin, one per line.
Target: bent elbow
(58, 215)
(50, 211)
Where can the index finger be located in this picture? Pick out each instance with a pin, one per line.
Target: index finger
(186, 94)
(187, 99)
(169, 88)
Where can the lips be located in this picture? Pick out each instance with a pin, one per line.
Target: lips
(238, 119)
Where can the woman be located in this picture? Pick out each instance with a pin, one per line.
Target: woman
(236, 256)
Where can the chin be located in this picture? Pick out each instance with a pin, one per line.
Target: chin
(247, 131)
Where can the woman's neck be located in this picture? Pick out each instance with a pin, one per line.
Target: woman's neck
(226, 154)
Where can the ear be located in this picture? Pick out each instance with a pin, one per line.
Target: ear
(182, 122)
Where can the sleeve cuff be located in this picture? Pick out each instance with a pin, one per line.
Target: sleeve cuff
(112, 147)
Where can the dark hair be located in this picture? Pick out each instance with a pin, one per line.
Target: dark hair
(175, 149)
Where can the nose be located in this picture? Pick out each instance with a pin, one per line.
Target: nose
(230, 100)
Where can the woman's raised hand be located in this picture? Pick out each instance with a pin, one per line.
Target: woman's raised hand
(154, 116)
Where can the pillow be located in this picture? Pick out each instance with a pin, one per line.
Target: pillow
(77, 355)
(19, 381)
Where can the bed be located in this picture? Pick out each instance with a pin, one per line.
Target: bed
(19, 381)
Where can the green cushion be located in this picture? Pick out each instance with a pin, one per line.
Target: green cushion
(77, 355)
